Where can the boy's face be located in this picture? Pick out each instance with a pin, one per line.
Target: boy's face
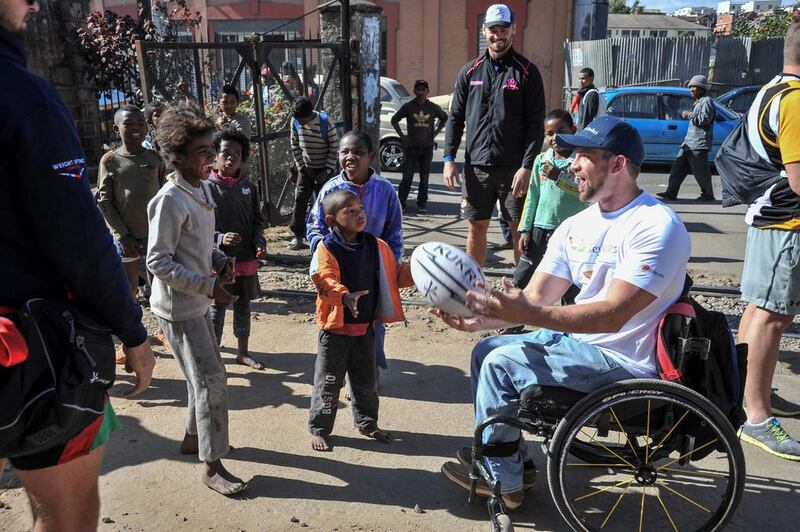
(132, 128)
(228, 103)
(195, 161)
(229, 158)
(554, 126)
(354, 158)
(584, 80)
(306, 119)
(350, 219)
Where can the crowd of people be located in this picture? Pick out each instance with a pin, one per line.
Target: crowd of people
(176, 222)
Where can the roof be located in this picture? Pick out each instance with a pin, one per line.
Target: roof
(651, 22)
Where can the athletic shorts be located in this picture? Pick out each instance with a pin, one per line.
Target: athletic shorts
(771, 276)
(90, 438)
(483, 187)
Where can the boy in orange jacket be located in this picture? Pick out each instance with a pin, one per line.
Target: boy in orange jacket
(358, 283)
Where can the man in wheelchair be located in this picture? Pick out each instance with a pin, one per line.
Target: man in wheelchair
(627, 252)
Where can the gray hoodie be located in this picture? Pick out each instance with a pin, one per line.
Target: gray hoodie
(180, 251)
(701, 124)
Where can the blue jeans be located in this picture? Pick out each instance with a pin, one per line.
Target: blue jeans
(503, 366)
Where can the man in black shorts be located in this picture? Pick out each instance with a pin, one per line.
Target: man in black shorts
(499, 98)
(53, 239)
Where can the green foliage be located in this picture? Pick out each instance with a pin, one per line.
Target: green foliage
(771, 26)
(621, 7)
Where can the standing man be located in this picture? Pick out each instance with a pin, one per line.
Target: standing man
(499, 97)
(771, 277)
(693, 155)
(586, 102)
(420, 114)
(53, 240)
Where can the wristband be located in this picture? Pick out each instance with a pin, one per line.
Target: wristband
(448, 159)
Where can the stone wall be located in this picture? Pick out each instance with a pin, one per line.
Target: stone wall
(52, 55)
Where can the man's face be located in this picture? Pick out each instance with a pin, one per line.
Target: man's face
(14, 14)
(697, 92)
(499, 38)
(228, 104)
(584, 80)
(421, 91)
(591, 167)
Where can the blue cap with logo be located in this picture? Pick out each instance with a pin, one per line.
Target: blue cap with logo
(498, 15)
(607, 133)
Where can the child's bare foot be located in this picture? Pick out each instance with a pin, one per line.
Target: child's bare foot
(383, 436)
(189, 444)
(221, 480)
(321, 443)
(248, 361)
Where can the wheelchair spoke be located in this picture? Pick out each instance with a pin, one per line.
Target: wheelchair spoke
(675, 426)
(658, 496)
(687, 454)
(641, 510)
(622, 429)
(603, 490)
(647, 436)
(583, 464)
(612, 452)
(690, 472)
(619, 499)
(684, 497)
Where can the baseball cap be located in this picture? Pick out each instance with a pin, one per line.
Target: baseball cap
(699, 81)
(421, 82)
(498, 15)
(608, 133)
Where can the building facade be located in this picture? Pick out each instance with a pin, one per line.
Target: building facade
(693, 11)
(653, 26)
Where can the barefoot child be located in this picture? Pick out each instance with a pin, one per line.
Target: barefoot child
(181, 256)
(239, 233)
(357, 279)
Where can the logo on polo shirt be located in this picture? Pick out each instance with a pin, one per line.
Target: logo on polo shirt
(510, 85)
(475, 82)
(74, 168)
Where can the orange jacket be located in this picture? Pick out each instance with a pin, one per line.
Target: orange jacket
(326, 277)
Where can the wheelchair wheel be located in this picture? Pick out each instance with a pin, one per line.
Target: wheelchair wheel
(667, 460)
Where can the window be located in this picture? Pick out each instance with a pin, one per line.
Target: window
(385, 96)
(635, 33)
(741, 103)
(625, 33)
(653, 33)
(635, 106)
(662, 33)
(608, 33)
(674, 106)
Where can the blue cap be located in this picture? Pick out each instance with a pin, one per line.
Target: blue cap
(498, 15)
(607, 133)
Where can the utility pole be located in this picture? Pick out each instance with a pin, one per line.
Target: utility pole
(347, 84)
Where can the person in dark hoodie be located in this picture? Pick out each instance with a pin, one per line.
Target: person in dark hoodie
(54, 241)
(586, 102)
(239, 233)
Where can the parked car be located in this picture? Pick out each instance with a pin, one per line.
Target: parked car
(656, 113)
(739, 99)
(391, 152)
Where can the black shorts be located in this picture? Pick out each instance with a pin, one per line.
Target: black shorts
(483, 187)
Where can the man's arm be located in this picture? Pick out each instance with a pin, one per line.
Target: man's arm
(316, 229)
(455, 122)
(392, 232)
(297, 151)
(441, 115)
(789, 128)
(592, 99)
(399, 115)
(705, 114)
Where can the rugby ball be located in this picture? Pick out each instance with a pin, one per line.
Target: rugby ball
(443, 273)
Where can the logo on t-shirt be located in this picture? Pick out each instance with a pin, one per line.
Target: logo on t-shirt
(475, 82)
(246, 190)
(421, 119)
(510, 85)
(71, 168)
(648, 268)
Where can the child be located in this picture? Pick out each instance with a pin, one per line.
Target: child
(350, 269)
(228, 117)
(181, 256)
(239, 233)
(552, 197)
(152, 112)
(384, 216)
(128, 178)
(315, 144)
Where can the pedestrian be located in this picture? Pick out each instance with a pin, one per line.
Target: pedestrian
(499, 98)
(239, 233)
(552, 198)
(128, 178)
(315, 146)
(771, 276)
(152, 111)
(585, 104)
(693, 154)
(609, 335)
(56, 245)
(357, 280)
(384, 215)
(182, 256)
(228, 116)
(421, 116)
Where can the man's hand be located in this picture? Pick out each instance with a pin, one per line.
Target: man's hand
(231, 239)
(220, 295)
(519, 186)
(451, 176)
(227, 275)
(685, 114)
(524, 241)
(508, 305)
(130, 248)
(470, 324)
(139, 360)
(261, 252)
(351, 301)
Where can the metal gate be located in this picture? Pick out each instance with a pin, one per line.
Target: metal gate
(269, 74)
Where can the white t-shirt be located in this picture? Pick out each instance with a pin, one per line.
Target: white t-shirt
(645, 244)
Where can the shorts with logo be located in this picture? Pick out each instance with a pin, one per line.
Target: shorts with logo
(483, 187)
(94, 435)
(771, 276)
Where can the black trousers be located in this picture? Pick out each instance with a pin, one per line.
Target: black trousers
(306, 190)
(529, 261)
(416, 159)
(338, 355)
(694, 162)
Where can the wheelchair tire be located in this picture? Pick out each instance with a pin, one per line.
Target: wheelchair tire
(502, 523)
(672, 492)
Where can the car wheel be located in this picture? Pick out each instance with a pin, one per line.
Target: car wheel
(392, 155)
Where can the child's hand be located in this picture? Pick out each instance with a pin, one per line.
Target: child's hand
(351, 301)
(220, 295)
(227, 276)
(524, 241)
(130, 248)
(261, 252)
(231, 239)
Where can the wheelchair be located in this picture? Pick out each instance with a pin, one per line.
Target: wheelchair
(639, 454)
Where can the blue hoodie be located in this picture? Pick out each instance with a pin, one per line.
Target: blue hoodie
(384, 215)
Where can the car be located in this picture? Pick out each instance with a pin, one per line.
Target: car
(656, 113)
(739, 99)
(391, 152)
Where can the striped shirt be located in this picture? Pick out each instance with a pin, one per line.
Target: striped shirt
(310, 150)
(773, 124)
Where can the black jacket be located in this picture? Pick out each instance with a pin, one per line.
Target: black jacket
(52, 235)
(502, 105)
(238, 211)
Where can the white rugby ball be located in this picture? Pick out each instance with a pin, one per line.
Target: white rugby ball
(443, 273)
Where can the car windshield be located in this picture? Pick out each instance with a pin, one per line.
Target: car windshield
(400, 90)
